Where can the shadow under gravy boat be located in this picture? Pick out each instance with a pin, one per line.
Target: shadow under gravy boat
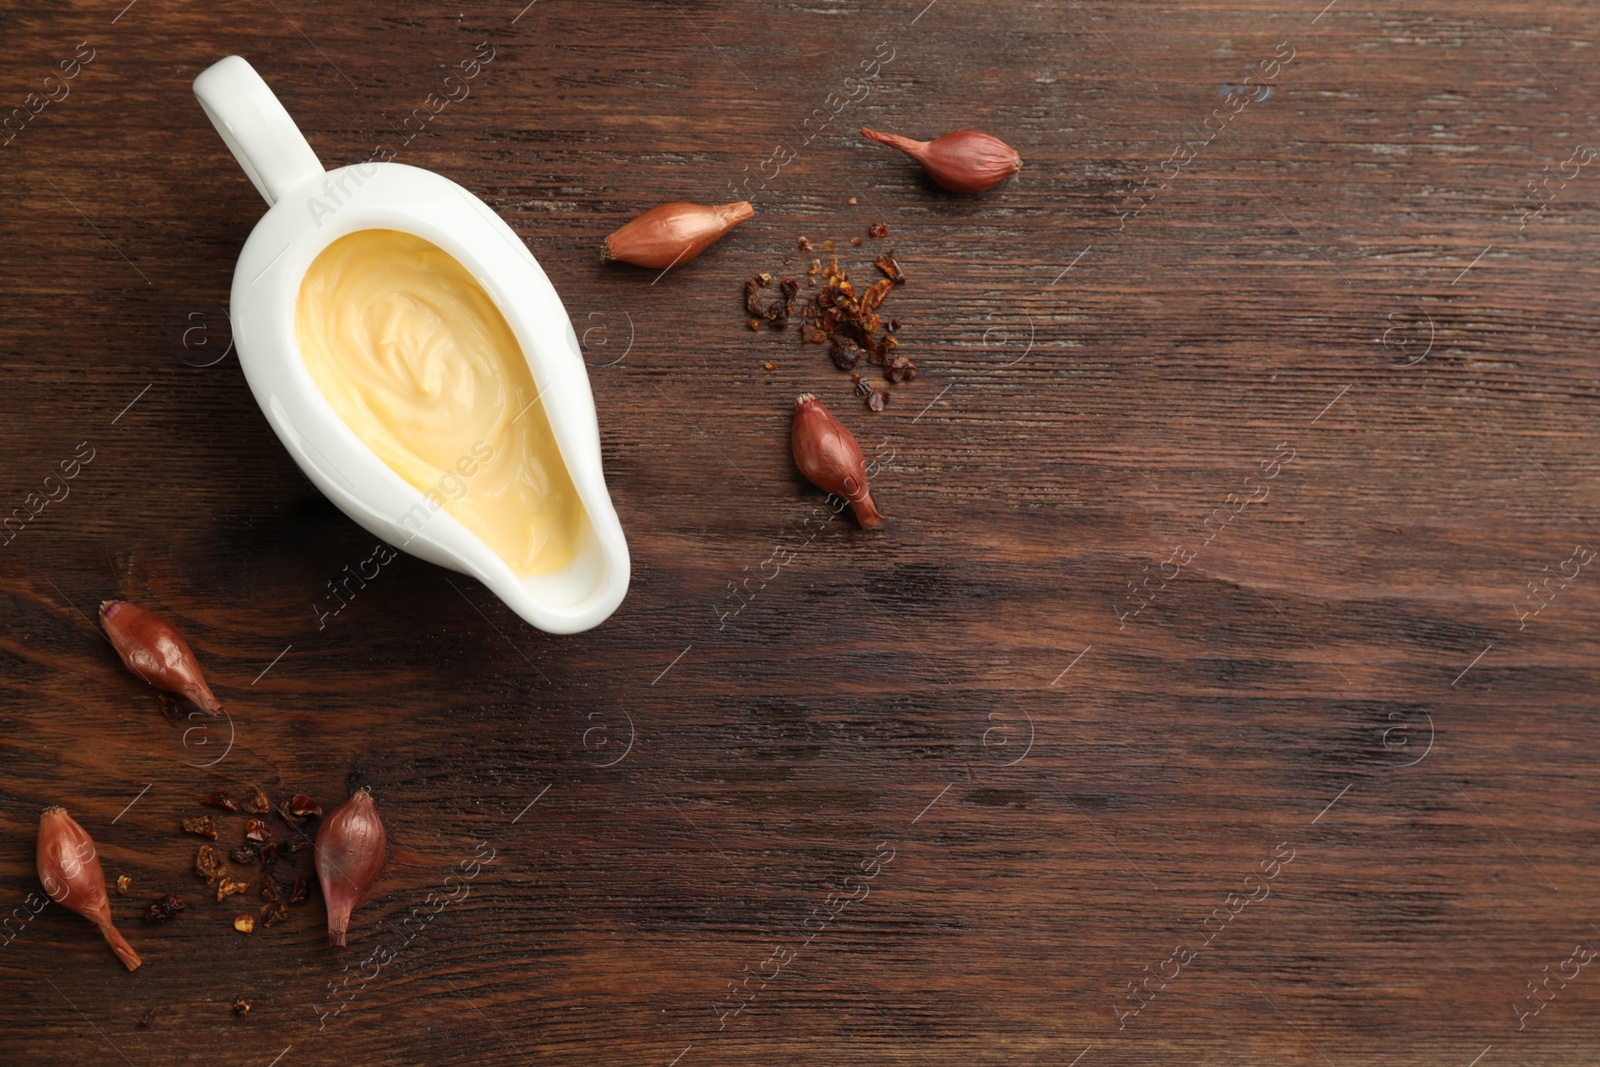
(309, 209)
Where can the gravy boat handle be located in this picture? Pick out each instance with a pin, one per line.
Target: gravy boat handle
(255, 127)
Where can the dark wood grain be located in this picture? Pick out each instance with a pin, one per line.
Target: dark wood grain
(1338, 671)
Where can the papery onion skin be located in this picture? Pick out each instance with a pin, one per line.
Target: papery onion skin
(69, 869)
(152, 648)
(964, 161)
(350, 849)
(673, 234)
(827, 454)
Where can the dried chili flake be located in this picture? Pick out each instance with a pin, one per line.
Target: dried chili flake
(219, 799)
(208, 864)
(301, 891)
(170, 710)
(900, 369)
(873, 298)
(856, 241)
(257, 832)
(890, 266)
(244, 854)
(258, 804)
(845, 354)
(269, 856)
(827, 246)
(878, 229)
(754, 324)
(852, 200)
(123, 882)
(805, 244)
(298, 808)
(271, 913)
(877, 400)
(228, 887)
(204, 825)
(299, 846)
(241, 1006)
(164, 908)
(147, 1018)
(775, 312)
(270, 890)
(245, 924)
(769, 366)
(302, 805)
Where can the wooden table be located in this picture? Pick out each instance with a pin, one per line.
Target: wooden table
(1197, 704)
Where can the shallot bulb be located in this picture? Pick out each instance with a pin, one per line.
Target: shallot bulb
(350, 849)
(827, 454)
(673, 233)
(69, 869)
(154, 650)
(965, 161)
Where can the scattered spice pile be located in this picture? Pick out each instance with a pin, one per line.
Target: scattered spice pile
(836, 315)
(256, 848)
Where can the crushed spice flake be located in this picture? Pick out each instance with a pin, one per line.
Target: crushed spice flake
(304, 806)
(270, 890)
(845, 354)
(257, 832)
(245, 853)
(827, 246)
(900, 369)
(271, 913)
(852, 200)
(805, 244)
(123, 882)
(769, 366)
(856, 241)
(169, 708)
(878, 229)
(245, 924)
(301, 891)
(228, 887)
(147, 1018)
(754, 324)
(775, 312)
(208, 864)
(877, 400)
(219, 799)
(258, 804)
(204, 825)
(891, 267)
(163, 908)
(241, 1006)
(299, 846)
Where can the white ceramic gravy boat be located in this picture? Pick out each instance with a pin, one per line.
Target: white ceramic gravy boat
(310, 208)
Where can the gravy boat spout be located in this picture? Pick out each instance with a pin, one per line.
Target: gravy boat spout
(429, 493)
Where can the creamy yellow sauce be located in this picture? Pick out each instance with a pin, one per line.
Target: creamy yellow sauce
(416, 359)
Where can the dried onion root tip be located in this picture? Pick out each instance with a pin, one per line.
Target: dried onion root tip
(153, 649)
(827, 454)
(673, 234)
(69, 869)
(350, 849)
(966, 161)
